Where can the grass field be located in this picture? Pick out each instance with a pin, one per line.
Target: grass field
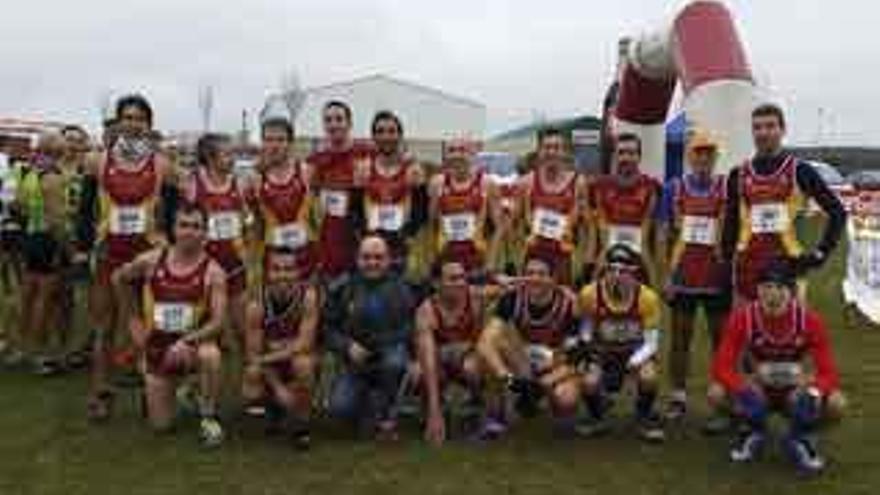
(47, 447)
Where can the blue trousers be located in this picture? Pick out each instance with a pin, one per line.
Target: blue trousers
(369, 392)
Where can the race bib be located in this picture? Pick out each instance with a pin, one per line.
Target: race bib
(628, 235)
(453, 354)
(780, 374)
(620, 331)
(174, 317)
(460, 227)
(388, 218)
(128, 220)
(224, 226)
(540, 357)
(335, 203)
(699, 230)
(549, 224)
(770, 218)
(289, 235)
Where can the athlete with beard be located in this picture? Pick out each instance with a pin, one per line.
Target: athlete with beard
(129, 194)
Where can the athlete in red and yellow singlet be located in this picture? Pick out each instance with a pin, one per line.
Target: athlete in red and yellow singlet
(183, 307)
(448, 326)
(395, 197)
(128, 195)
(281, 341)
(226, 209)
(621, 324)
(768, 207)
(282, 201)
(554, 199)
(459, 209)
(623, 211)
(334, 180)
(461, 218)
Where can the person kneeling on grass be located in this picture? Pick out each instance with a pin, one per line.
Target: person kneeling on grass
(184, 302)
(522, 348)
(369, 319)
(619, 337)
(448, 325)
(280, 338)
(774, 334)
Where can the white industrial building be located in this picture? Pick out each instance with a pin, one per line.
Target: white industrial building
(429, 115)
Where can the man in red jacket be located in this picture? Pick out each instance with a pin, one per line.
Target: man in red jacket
(775, 335)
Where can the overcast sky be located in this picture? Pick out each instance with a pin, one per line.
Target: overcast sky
(521, 58)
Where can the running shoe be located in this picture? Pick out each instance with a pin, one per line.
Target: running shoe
(803, 452)
(749, 447)
(210, 432)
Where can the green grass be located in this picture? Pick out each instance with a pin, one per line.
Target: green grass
(47, 447)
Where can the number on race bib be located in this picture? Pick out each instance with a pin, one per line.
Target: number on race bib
(174, 317)
(460, 227)
(628, 235)
(128, 220)
(335, 203)
(620, 330)
(780, 374)
(698, 230)
(289, 235)
(388, 218)
(549, 224)
(540, 357)
(770, 218)
(224, 226)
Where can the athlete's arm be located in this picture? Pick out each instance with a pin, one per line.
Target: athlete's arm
(308, 326)
(122, 280)
(169, 194)
(419, 200)
(650, 311)
(88, 204)
(584, 232)
(725, 364)
(827, 379)
(426, 350)
(216, 280)
(730, 233)
(812, 185)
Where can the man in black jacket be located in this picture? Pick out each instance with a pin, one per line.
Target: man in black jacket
(764, 196)
(369, 319)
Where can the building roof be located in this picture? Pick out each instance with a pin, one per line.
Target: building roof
(399, 82)
(588, 122)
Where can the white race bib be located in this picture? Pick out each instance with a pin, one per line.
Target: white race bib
(174, 317)
(769, 218)
(699, 230)
(386, 217)
(289, 235)
(618, 330)
(549, 224)
(459, 227)
(628, 235)
(128, 220)
(780, 374)
(335, 203)
(224, 226)
(540, 357)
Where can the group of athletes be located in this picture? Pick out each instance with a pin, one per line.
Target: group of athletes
(549, 291)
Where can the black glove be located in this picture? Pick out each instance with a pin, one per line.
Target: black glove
(528, 394)
(809, 261)
(580, 353)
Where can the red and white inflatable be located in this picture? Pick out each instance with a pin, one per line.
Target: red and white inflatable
(702, 52)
